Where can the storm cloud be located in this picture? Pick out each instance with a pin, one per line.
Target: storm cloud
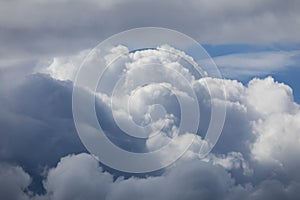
(34, 29)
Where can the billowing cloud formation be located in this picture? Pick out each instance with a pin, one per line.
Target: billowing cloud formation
(232, 66)
(81, 176)
(167, 186)
(255, 158)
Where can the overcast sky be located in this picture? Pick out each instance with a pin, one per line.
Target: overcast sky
(256, 46)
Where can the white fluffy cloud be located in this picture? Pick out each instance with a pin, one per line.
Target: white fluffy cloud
(278, 142)
(257, 152)
(274, 127)
(77, 177)
(249, 108)
(268, 97)
(63, 68)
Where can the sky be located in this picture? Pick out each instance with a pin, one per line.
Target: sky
(174, 138)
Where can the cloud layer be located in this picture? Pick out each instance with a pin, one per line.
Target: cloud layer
(61, 27)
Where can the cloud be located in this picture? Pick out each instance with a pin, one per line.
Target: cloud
(218, 177)
(278, 143)
(256, 154)
(81, 176)
(269, 97)
(13, 182)
(36, 122)
(232, 66)
(246, 105)
(52, 28)
(77, 177)
(233, 160)
(62, 68)
(254, 64)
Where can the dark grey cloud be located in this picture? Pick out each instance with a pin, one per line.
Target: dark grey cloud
(13, 182)
(37, 127)
(34, 29)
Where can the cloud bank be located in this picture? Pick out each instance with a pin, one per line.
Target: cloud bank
(33, 29)
(256, 156)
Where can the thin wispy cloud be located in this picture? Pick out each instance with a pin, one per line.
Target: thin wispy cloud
(257, 63)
